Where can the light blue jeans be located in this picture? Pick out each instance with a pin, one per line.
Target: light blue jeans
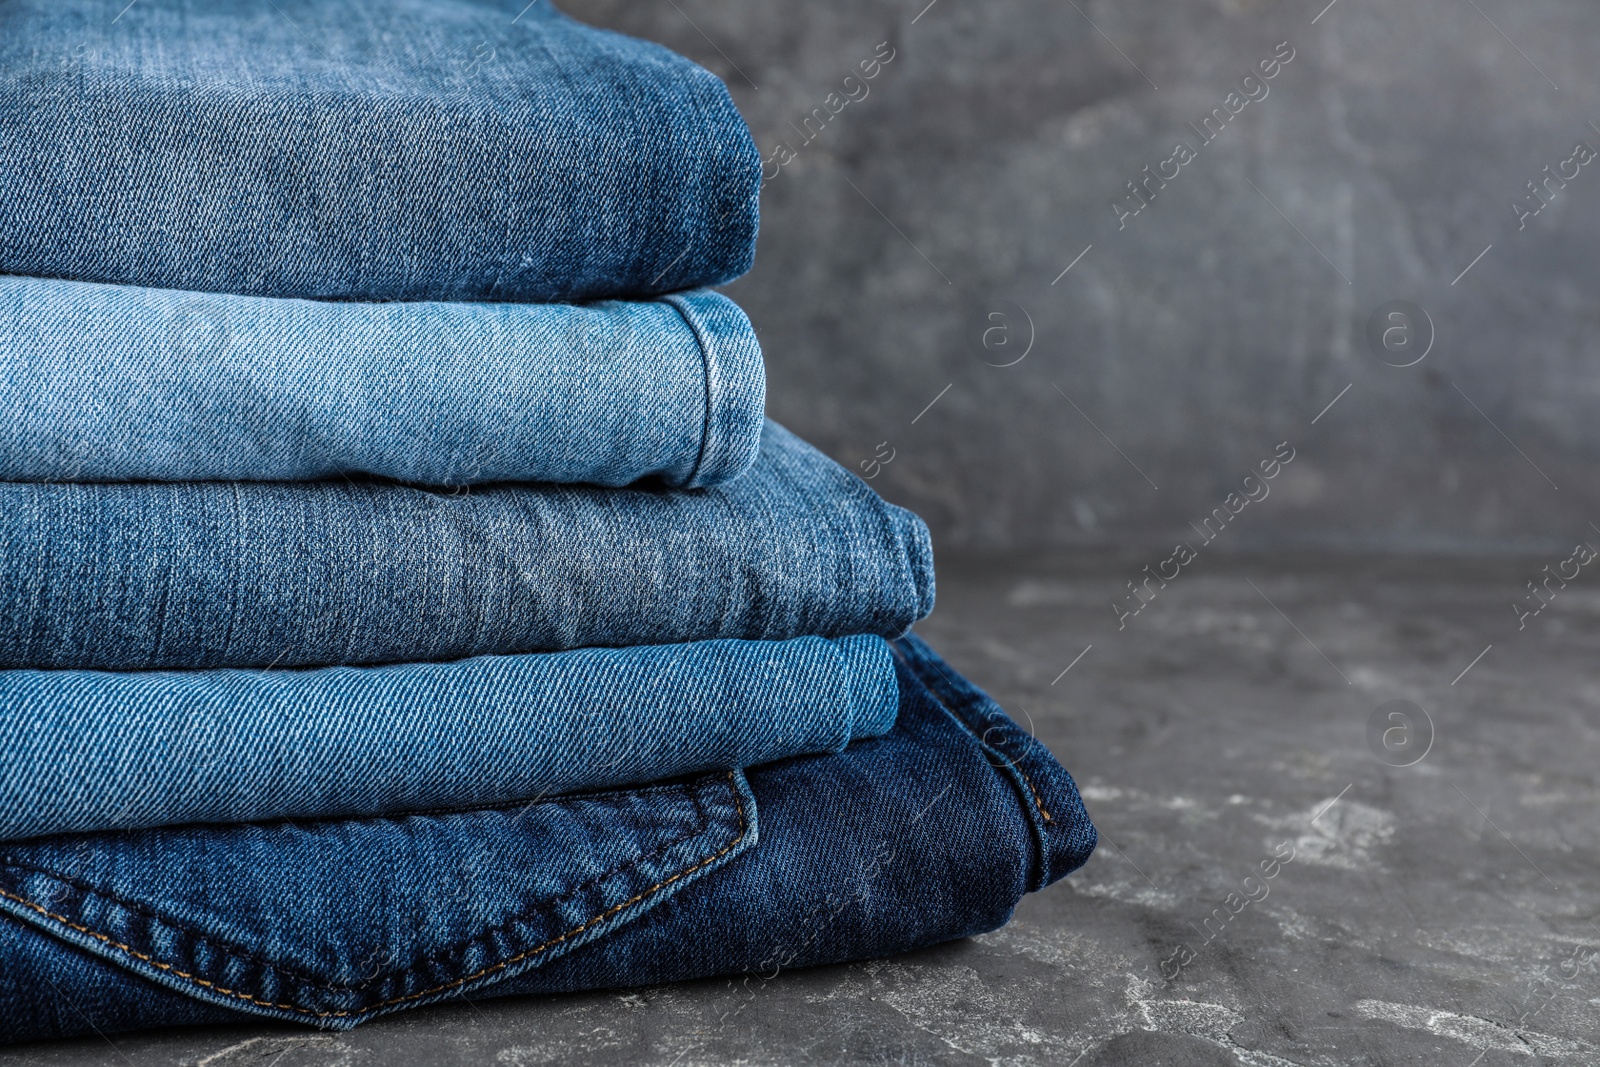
(115, 383)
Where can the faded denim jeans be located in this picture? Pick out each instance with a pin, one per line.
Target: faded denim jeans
(406, 150)
(220, 574)
(931, 832)
(117, 383)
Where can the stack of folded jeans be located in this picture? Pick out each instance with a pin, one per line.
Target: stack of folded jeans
(402, 595)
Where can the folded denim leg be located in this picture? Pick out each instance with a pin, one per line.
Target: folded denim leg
(216, 574)
(104, 750)
(931, 832)
(115, 383)
(408, 150)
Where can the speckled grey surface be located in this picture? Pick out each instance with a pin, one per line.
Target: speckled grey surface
(1221, 319)
(1441, 913)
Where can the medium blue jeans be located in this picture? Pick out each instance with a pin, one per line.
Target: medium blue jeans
(112, 383)
(405, 150)
(931, 832)
(104, 750)
(218, 574)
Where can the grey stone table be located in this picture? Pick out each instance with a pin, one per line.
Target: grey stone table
(1438, 913)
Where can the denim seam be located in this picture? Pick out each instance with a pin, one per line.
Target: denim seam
(551, 943)
(150, 914)
(1038, 800)
(702, 342)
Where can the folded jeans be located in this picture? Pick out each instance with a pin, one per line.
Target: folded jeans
(115, 383)
(109, 750)
(929, 833)
(410, 150)
(301, 574)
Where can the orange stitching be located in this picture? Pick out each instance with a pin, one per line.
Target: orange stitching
(1038, 801)
(437, 955)
(575, 931)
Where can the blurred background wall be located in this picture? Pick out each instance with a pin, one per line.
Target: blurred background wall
(915, 232)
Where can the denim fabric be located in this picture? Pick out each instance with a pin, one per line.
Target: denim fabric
(406, 150)
(107, 750)
(111, 383)
(218, 574)
(931, 832)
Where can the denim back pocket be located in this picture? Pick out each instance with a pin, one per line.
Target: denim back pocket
(261, 918)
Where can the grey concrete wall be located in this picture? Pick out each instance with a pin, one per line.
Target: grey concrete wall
(1194, 336)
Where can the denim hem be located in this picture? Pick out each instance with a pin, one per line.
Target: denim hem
(202, 965)
(120, 383)
(735, 387)
(1063, 835)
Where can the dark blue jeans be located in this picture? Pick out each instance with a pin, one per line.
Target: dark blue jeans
(931, 832)
(403, 150)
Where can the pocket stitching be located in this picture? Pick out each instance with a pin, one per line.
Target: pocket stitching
(438, 955)
(529, 953)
